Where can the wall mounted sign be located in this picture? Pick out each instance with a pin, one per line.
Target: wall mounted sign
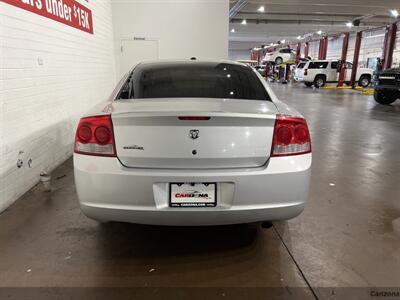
(68, 12)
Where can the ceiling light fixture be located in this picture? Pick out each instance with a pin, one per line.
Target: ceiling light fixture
(349, 24)
(261, 9)
(283, 41)
(244, 22)
(233, 30)
(299, 37)
(319, 32)
(394, 13)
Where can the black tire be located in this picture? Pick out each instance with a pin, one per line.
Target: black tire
(308, 84)
(278, 60)
(319, 81)
(364, 81)
(384, 98)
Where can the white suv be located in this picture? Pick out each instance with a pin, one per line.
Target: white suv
(280, 56)
(320, 72)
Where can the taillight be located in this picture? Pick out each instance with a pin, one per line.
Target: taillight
(291, 136)
(306, 72)
(94, 136)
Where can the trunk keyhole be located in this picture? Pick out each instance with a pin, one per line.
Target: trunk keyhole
(194, 152)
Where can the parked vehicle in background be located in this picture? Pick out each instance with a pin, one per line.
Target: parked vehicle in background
(280, 56)
(387, 86)
(261, 69)
(320, 72)
(192, 143)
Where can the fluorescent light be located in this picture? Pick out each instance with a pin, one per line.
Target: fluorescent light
(261, 9)
(233, 30)
(319, 32)
(299, 37)
(349, 24)
(244, 22)
(283, 41)
(394, 13)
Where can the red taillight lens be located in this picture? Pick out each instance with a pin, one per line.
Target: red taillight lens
(306, 72)
(291, 136)
(194, 118)
(95, 136)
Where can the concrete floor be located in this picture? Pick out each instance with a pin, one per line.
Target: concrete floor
(348, 236)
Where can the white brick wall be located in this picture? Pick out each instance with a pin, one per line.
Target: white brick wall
(40, 104)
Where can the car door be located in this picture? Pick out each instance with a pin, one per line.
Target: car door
(349, 67)
(332, 72)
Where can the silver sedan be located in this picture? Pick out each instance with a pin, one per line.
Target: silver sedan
(192, 143)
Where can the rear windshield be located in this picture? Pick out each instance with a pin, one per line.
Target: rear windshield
(193, 80)
(318, 65)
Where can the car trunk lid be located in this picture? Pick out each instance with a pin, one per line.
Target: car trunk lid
(154, 133)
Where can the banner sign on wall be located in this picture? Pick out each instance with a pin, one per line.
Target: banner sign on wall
(68, 12)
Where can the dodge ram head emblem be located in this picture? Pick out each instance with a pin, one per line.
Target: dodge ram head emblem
(194, 133)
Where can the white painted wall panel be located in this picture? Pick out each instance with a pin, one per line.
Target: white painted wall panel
(40, 104)
(183, 28)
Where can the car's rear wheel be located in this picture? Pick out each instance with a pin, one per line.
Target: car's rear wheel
(385, 98)
(308, 84)
(319, 81)
(364, 81)
(278, 60)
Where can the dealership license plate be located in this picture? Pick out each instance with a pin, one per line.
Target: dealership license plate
(192, 194)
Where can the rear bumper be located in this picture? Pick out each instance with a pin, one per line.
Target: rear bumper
(108, 191)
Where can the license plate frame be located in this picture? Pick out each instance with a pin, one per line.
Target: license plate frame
(192, 204)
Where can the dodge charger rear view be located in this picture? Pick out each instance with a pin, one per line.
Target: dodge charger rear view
(192, 143)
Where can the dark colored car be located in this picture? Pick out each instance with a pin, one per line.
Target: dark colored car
(387, 88)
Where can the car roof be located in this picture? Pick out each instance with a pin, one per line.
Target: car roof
(149, 64)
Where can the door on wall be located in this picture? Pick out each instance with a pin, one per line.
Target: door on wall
(135, 51)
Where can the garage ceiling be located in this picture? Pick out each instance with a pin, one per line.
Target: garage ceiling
(287, 19)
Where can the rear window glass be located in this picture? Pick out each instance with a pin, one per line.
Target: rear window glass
(301, 65)
(194, 80)
(318, 65)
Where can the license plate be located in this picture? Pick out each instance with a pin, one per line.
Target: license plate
(192, 194)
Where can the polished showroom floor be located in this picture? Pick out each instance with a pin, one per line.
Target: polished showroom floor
(348, 236)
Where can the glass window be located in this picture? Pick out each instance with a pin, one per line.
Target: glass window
(286, 50)
(349, 65)
(334, 65)
(318, 65)
(196, 80)
(301, 65)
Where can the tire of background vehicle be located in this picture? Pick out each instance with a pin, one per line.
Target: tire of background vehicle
(384, 98)
(319, 81)
(278, 60)
(308, 84)
(364, 81)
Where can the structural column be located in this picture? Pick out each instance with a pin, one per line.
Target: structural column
(343, 58)
(389, 46)
(298, 54)
(357, 48)
(306, 49)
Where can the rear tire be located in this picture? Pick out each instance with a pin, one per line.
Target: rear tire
(384, 98)
(308, 84)
(278, 60)
(364, 81)
(319, 81)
